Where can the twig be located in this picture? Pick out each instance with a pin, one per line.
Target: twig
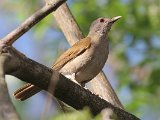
(31, 21)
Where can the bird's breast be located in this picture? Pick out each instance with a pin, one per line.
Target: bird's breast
(87, 65)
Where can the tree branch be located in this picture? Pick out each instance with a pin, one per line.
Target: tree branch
(69, 92)
(100, 84)
(7, 110)
(31, 21)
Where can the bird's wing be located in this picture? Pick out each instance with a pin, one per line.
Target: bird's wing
(77, 49)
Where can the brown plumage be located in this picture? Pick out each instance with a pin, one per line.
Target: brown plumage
(77, 49)
(85, 59)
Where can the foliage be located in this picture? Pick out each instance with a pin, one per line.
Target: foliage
(77, 115)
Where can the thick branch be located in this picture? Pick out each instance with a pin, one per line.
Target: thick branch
(31, 21)
(72, 32)
(74, 95)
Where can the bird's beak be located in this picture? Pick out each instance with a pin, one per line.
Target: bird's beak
(114, 19)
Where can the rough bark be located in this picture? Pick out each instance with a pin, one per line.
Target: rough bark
(69, 92)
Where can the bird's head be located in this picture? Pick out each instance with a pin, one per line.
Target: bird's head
(102, 25)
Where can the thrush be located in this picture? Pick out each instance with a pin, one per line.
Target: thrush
(84, 60)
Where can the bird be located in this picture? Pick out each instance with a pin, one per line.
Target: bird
(83, 61)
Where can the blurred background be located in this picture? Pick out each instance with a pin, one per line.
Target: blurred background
(133, 67)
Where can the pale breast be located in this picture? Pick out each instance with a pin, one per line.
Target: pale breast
(95, 65)
(87, 65)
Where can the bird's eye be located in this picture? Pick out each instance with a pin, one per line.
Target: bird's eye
(101, 20)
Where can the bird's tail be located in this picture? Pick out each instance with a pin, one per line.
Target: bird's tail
(29, 90)
(26, 92)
